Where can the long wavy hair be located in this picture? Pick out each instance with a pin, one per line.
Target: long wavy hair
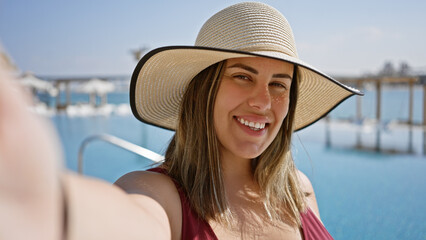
(193, 159)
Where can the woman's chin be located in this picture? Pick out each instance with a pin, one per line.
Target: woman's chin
(251, 154)
(243, 151)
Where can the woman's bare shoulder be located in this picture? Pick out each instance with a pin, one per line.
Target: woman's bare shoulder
(308, 189)
(159, 187)
(305, 183)
(146, 182)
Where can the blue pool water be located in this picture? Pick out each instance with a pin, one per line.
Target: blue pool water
(361, 195)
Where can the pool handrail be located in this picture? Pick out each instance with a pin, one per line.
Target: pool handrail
(141, 151)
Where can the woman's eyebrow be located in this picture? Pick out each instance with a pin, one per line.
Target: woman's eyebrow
(254, 71)
(282, 75)
(245, 67)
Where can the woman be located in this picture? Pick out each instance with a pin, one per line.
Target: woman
(234, 100)
(230, 157)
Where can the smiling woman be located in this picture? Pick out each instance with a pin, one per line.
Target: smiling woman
(229, 160)
(233, 100)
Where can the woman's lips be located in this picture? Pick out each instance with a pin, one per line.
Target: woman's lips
(254, 128)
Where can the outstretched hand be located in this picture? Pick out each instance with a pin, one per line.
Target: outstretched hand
(30, 194)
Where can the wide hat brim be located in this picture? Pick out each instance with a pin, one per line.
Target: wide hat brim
(160, 78)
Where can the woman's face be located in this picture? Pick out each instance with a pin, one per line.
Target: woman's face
(251, 104)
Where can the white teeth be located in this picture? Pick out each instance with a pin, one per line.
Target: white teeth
(253, 125)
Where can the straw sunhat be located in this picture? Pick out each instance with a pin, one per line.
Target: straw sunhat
(247, 29)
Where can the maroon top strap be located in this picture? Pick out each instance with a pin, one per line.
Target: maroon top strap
(194, 227)
(312, 227)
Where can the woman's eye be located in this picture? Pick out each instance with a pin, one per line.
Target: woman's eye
(277, 84)
(242, 77)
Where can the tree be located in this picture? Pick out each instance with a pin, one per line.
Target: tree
(404, 69)
(387, 70)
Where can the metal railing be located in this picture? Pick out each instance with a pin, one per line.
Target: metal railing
(119, 143)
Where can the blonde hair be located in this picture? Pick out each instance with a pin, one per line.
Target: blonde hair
(193, 159)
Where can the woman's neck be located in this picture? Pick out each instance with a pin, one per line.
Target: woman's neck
(237, 173)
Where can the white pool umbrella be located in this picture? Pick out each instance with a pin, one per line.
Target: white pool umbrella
(30, 81)
(97, 86)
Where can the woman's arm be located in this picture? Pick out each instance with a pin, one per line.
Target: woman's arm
(98, 210)
(31, 196)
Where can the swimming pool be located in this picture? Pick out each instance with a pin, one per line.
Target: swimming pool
(361, 195)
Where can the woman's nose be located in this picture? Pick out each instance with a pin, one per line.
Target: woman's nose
(260, 98)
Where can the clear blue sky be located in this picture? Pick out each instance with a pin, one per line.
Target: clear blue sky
(89, 37)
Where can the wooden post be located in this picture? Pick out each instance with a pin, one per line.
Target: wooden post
(378, 111)
(68, 94)
(327, 131)
(410, 116)
(424, 118)
(58, 97)
(410, 103)
(92, 99)
(359, 116)
(104, 99)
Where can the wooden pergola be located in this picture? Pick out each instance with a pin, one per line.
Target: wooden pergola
(65, 82)
(379, 82)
